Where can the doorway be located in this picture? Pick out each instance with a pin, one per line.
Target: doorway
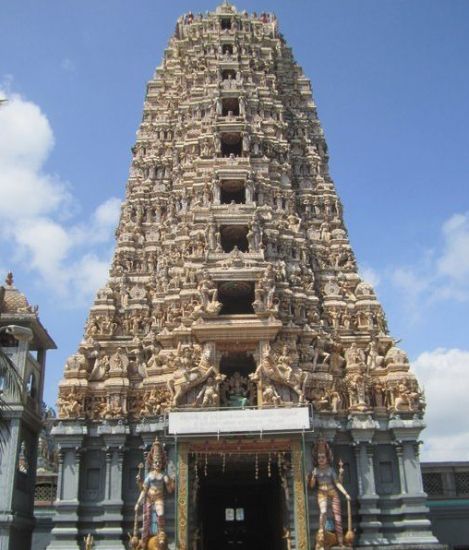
(237, 511)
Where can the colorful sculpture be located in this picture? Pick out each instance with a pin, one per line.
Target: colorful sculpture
(328, 484)
(152, 498)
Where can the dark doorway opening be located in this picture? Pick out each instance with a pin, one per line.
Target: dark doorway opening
(228, 74)
(231, 144)
(237, 511)
(236, 297)
(225, 23)
(230, 104)
(227, 49)
(234, 235)
(241, 362)
(232, 191)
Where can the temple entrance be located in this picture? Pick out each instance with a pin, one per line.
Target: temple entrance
(237, 511)
(241, 493)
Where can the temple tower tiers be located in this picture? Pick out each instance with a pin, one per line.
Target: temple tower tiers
(234, 285)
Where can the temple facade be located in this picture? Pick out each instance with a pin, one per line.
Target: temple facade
(236, 385)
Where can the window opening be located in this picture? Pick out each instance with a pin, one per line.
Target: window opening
(234, 236)
(228, 74)
(231, 144)
(230, 104)
(232, 191)
(236, 297)
(225, 23)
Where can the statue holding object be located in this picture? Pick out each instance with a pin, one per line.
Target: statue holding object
(329, 484)
(153, 490)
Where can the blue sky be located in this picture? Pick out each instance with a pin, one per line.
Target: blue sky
(391, 83)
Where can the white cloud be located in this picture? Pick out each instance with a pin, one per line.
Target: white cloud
(444, 374)
(105, 218)
(45, 244)
(443, 272)
(36, 210)
(408, 280)
(370, 275)
(454, 261)
(26, 138)
(89, 274)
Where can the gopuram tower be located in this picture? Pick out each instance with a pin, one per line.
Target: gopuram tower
(235, 361)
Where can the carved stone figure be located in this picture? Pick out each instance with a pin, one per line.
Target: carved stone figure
(152, 494)
(328, 486)
(209, 294)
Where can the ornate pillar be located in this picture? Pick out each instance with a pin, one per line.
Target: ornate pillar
(182, 497)
(216, 192)
(411, 462)
(69, 438)
(400, 463)
(301, 516)
(9, 467)
(362, 429)
(114, 437)
(415, 517)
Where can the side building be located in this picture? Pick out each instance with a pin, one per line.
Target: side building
(447, 487)
(23, 345)
(235, 359)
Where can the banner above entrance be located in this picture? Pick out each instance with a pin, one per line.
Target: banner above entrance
(235, 421)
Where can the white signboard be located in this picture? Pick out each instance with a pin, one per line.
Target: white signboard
(244, 420)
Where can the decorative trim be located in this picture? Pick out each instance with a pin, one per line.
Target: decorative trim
(301, 520)
(182, 496)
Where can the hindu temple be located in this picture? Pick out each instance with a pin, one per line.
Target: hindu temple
(236, 385)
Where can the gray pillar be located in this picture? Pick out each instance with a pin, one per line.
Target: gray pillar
(111, 535)
(65, 534)
(363, 429)
(368, 499)
(414, 526)
(400, 464)
(8, 466)
(412, 470)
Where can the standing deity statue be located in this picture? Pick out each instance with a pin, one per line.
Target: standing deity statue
(328, 484)
(88, 541)
(153, 490)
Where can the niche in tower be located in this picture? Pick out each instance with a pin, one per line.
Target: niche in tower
(236, 297)
(232, 191)
(230, 104)
(234, 235)
(231, 144)
(239, 361)
(237, 390)
(228, 74)
(227, 49)
(225, 23)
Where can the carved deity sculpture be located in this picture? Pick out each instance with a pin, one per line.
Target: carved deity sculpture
(70, 404)
(354, 356)
(209, 294)
(328, 484)
(191, 374)
(153, 490)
